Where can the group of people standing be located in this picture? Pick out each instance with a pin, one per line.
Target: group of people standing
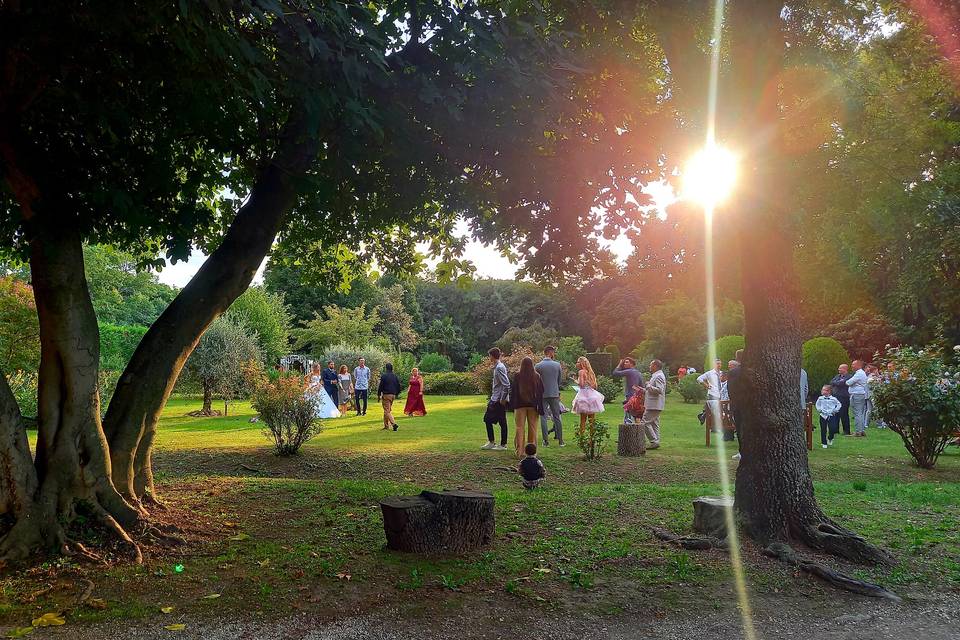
(844, 392)
(534, 397)
(337, 391)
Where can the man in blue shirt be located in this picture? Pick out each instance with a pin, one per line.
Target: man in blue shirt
(627, 369)
(331, 382)
(361, 386)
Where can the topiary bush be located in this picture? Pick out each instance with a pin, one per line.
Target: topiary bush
(821, 357)
(691, 391)
(609, 387)
(435, 363)
(921, 400)
(726, 350)
(450, 383)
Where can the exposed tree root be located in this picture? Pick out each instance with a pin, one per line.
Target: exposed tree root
(151, 501)
(72, 548)
(786, 554)
(200, 413)
(164, 538)
(27, 599)
(87, 591)
(111, 524)
(838, 541)
(693, 543)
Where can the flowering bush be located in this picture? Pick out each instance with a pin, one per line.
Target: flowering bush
(920, 399)
(290, 415)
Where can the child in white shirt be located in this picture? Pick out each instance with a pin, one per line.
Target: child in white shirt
(828, 406)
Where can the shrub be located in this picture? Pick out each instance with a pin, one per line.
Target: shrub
(435, 363)
(602, 362)
(821, 357)
(726, 350)
(348, 355)
(475, 360)
(403, 364)
(289, 415)
(117, 344)
(691, 391)
(592, 439)
(609, 387)
(450, 383)
(23, 384)
(921, 402)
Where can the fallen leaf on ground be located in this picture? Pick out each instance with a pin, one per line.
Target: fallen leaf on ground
(542, 570)
(49, 620)
(212, 596)
(175, 627)
(19, 632)
(344, 576)
(264, 563)
(166, 609)
(239, 537)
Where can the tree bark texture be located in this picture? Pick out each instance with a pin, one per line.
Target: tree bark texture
(438, 522)
(774, 491)
(71, 469)
(149, 378)
(631, 441)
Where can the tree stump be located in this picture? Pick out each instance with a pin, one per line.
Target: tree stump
(709, 515)
(631, 441)
(438, 522)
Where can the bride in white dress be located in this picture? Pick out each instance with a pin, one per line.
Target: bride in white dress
(325, 406)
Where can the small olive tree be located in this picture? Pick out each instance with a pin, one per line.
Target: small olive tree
(222, 360)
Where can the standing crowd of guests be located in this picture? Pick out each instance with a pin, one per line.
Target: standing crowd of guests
(337, 391)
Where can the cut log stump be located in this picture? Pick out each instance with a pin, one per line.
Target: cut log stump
(438, 522)
(709, 515)
(630, 441)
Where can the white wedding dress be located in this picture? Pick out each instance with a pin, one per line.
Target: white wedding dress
(325, 406)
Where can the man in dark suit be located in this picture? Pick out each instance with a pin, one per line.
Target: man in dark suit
(842, 393)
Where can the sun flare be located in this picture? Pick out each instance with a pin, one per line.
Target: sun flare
(710, 176)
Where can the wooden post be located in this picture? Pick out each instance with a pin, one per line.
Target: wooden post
(438, 522)
(631, 440)
(808, 425)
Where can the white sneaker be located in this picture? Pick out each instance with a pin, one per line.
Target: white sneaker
(563, 444)
(736, 456)
(489, 446)
(499, 447)
(823, 446)
(830, 442)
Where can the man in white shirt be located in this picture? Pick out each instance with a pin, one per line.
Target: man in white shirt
(712, 381)
(858, 398)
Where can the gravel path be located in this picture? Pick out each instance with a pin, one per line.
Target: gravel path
(922, 617)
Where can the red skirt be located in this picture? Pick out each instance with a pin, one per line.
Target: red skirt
(414, 405)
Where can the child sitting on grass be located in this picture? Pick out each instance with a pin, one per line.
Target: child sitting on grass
(531, 469)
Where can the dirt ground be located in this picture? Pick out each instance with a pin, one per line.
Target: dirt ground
(921, 616)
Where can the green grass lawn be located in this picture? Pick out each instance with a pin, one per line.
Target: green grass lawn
(273, 535)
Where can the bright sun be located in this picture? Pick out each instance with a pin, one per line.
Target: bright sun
(709, 176)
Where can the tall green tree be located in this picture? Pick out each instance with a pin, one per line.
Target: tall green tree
(122, 289)
(267, 315)
(351, 327)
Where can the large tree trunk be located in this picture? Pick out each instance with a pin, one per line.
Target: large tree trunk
(207, 400)
(774, 491)
(72, 465)
(149, 378)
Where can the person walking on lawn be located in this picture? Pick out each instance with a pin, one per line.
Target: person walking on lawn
(654, 399)
(828, 406)
(858, 398)
(632, 380)
(361, 386)
(496, 412)
(842, 392)
(551, 373)
(387, 392)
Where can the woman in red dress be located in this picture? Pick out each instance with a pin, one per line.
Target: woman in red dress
(415, 406)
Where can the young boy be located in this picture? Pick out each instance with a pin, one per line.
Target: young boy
(828, 406)
(531, 469)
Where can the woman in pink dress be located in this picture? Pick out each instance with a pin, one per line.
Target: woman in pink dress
(588, 402)
(415, 406)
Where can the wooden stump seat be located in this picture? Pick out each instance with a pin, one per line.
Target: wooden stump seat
(631, 441)
(438, 522)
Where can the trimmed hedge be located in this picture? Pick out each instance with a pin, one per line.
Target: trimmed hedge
(601, 362)
(821, 357)
(450, 383)
(726, 350)
(691, 391)
(117, 344)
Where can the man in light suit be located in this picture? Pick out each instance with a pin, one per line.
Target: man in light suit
(552, 375)
(654, 399)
